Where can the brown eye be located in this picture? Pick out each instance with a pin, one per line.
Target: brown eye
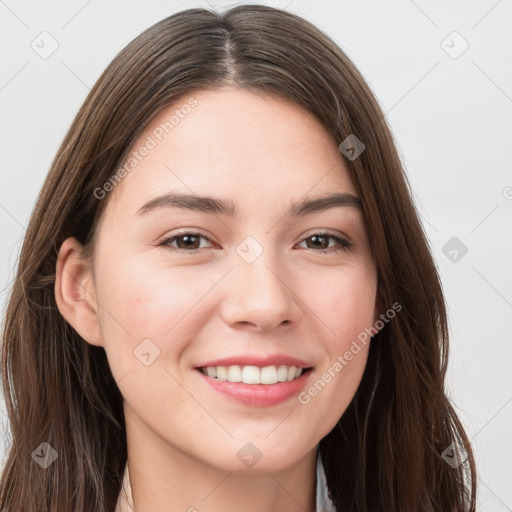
(187, 242)
(322, 241)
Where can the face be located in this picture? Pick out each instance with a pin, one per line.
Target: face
(253, 282)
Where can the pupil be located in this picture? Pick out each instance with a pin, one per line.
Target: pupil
(190, 240)
(322, 239)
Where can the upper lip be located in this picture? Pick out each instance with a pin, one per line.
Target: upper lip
(260, 361)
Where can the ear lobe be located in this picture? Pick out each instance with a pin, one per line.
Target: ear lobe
(75, 293)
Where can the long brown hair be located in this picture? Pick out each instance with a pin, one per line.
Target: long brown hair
(386, 451)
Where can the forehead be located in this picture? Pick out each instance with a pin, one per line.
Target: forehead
(253, 148)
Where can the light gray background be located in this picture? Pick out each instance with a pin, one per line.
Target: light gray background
(450, 117)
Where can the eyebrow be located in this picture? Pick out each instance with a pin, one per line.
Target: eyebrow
(216, 206)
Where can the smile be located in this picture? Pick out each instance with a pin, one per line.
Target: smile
(254, 374)
(255, 386)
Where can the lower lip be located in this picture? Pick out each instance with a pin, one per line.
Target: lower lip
(259, 395)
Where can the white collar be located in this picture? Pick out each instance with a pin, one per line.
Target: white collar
(323, 502)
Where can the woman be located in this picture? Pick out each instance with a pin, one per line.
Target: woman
(225, 299)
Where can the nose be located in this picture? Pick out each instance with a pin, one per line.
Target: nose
(260, 294)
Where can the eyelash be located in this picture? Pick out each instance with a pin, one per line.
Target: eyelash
(344, 245)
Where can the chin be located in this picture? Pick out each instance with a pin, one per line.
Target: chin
(259, 456)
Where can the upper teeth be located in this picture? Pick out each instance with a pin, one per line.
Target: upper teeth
(253, 374)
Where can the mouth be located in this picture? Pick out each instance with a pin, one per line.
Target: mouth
(249, 374)
(256, 386)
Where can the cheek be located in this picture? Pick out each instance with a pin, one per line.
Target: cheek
(344, 302)
(355, 311)
(142, 301)
(352, 317)
(148, 319)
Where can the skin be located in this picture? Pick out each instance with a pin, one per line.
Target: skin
(265, 154)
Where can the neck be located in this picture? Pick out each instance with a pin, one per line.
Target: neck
(165, 479)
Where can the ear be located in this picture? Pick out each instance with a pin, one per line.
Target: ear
(75, 293)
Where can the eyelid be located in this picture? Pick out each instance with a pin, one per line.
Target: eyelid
(326, 231)
(344, 242)
(164, 240)
(307, 234)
